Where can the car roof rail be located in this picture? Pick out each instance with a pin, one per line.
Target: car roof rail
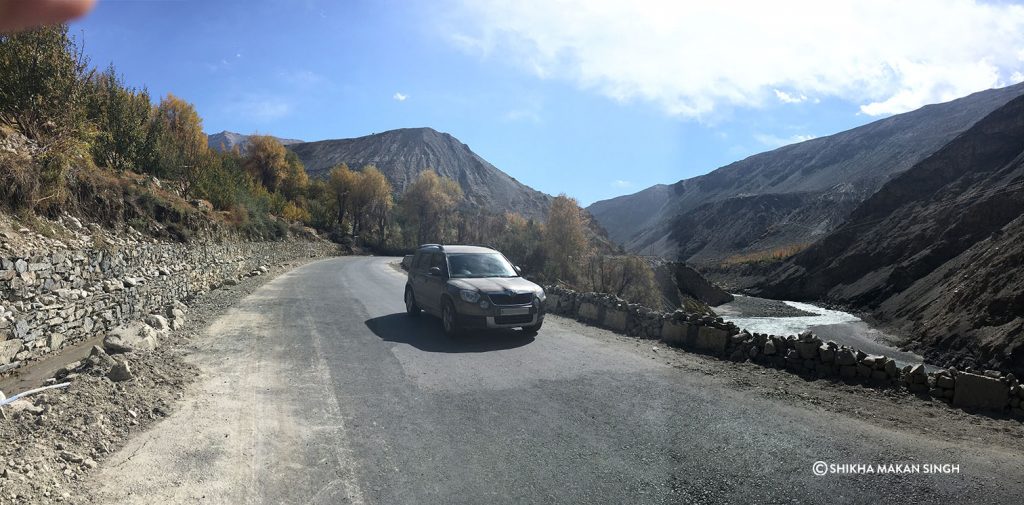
(422, 246)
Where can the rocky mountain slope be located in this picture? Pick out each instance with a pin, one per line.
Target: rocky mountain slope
(226, 141)
(937, 252)
(790, 196)
(402, 154)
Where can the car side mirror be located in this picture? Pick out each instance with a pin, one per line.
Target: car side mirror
(434, 271)
(519, 271)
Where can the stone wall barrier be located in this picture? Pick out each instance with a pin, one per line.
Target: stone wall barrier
(804, 354)
(52, 299)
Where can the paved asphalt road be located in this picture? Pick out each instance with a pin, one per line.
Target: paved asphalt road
(319, 389)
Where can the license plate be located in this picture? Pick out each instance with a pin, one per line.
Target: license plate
(515, 311)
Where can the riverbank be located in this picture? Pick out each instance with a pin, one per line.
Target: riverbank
(777, 317)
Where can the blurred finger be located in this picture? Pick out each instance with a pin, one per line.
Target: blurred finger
(18, 15)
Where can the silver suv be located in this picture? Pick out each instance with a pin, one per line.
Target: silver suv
(472, 287)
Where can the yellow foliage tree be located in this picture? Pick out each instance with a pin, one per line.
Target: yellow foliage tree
(181, 145)
(565, 240)
(372, 202)
(266, 161)
(429, 206)
(342, 183)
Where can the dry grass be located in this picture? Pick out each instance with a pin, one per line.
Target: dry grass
(766, 256)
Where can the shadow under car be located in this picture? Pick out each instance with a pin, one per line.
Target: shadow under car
(425, 333)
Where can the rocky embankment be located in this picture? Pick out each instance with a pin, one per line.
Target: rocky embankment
(53, 295)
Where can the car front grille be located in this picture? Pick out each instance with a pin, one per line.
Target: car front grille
(523, 319)
(514, 299)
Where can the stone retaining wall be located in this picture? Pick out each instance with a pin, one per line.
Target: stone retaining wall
(53, 299)
(805, 354)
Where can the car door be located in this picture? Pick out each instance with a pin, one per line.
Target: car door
(433, 285)
(418, 277)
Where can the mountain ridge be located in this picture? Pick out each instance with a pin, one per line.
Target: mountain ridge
(932, 253)
(228, 140)
(789, 196)
(403, 153)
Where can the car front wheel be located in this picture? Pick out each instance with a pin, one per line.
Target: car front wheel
(410, 303)
(450, 319)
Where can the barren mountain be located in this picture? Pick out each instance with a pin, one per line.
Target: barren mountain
(936, 252)
(402, 154)
(226, 141)
(790, 196)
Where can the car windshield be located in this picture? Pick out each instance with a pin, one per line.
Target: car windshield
(480, 265)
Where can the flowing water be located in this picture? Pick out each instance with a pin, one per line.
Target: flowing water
(774, 317)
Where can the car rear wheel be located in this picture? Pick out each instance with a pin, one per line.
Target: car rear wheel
(410, 304)
(450, 319)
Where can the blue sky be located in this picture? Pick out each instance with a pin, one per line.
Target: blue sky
(590, 98)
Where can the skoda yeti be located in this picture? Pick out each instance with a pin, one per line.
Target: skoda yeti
(472, 287)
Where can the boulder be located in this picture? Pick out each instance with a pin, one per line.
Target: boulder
(891, 369)
(158, 322)
(8, 350)
(944, 381)
(100, 357)
(769, 348)
(131, 337)
(54, 341)
(120, 372)
(980, 392)
(845, 357)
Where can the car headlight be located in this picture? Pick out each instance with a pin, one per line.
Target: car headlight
(469, 295)
(541, 296)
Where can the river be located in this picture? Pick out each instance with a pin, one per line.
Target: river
(775, 317)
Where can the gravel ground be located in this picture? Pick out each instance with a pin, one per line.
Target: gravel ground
(52, 441)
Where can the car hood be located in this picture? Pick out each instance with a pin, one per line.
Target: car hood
(497, 284)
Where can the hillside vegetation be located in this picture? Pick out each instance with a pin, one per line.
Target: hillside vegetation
(80, 141)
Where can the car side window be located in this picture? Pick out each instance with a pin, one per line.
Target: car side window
(437, 260)
(418, 262)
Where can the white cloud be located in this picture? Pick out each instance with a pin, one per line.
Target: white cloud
(774, 141)
(619, 183)
(790, 98)
(399, 97)
(695, 58)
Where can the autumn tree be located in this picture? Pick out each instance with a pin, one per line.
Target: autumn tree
(266, 161)
(121, 116)
(42, 96)
(428, 206)
(372, 202)
(342, 183)
(295, 181)
(180, 144)
(42, 91)
(565, 240)
(628, 277)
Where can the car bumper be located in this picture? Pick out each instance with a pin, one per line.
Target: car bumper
(492, 318)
